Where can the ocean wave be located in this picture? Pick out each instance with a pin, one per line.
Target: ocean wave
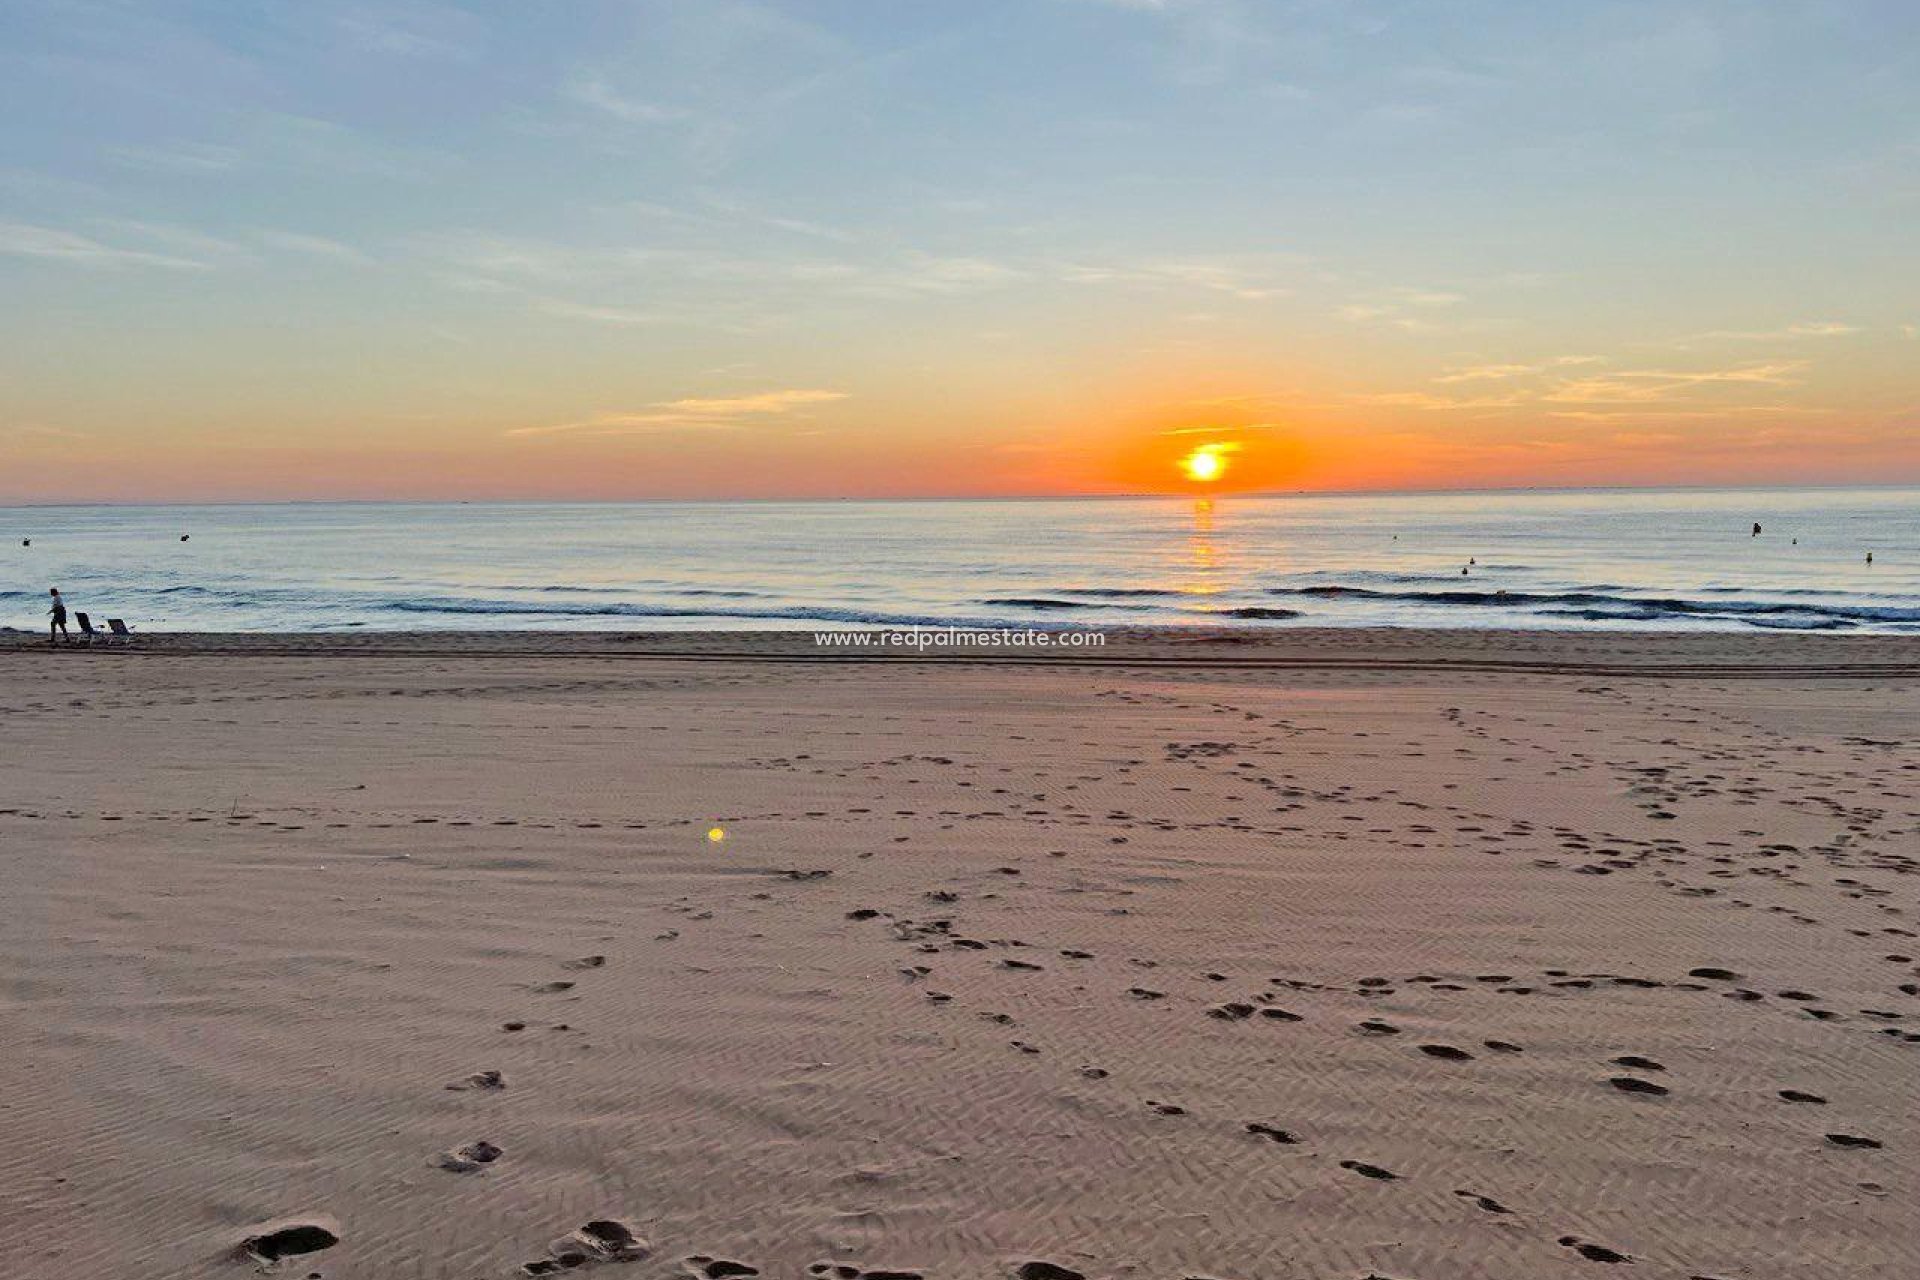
(1037, 602)
(1626, 607)
(1254, 612)
(1116, 593)
(794, 613)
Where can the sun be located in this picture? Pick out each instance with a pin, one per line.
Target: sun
(1206, 463)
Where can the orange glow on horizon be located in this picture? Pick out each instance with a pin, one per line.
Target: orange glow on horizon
(1203, 460)
(1207, 463)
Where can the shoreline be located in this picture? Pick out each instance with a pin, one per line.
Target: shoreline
(1760, 654)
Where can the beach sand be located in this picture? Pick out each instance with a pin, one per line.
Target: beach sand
(1317, 955)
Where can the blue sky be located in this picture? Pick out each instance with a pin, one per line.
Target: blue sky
(611, 249)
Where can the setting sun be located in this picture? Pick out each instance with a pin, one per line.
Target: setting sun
(1206, 463)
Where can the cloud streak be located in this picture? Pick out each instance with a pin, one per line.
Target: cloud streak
(56, 245)
(697, 413)
(1806, 329)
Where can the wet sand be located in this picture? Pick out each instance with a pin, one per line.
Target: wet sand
(1318, 955)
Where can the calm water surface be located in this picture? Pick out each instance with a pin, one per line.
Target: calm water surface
(1669, 559)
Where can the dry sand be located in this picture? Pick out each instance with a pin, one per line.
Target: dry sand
(1321, 956)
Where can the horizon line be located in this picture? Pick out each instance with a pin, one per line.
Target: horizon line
(56, 503)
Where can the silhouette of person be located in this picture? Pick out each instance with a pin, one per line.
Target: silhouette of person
(57, 618)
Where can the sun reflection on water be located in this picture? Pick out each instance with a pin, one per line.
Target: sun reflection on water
(1205, 563)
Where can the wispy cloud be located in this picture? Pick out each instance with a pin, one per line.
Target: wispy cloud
(414, 31)
(57, 245)
(670, 281)
(1427, 400)
(1239, 280)
(601, 96)
(1487, 372)
(568, 310)
(163, 237)
(1651, 385)
(315, 246)
(39, 433)
(1400, 308)
(1550, 388)
(698, 413)
(179, 157)
(1665, 413)
(1805, 329)
(1493, 372)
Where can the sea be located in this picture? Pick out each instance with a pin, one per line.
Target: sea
(1575, 560)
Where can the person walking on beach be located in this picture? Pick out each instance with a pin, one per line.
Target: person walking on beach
(57, 618)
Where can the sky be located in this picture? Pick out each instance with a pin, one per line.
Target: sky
(633, 249)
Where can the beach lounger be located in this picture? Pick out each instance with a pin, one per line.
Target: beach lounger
(87, 633)
(121, 631)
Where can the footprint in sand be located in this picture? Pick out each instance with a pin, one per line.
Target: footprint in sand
(1046, 1271)
(1855, 1141)
(1632, 1084)
(1167, 1108)
(1637, 1063)
(1373, 1171)
(275, 1241)
(1593, 1252)
(847, 1271)
(468, 1159)
(1446, 1053)
(710, 1268)
(601, 1240)
(584, 962)
(1487, 1203)
(1800, 1095)
(1271, 1133)
(484, 1080)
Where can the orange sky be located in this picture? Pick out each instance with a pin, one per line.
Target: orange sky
(744, 249)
